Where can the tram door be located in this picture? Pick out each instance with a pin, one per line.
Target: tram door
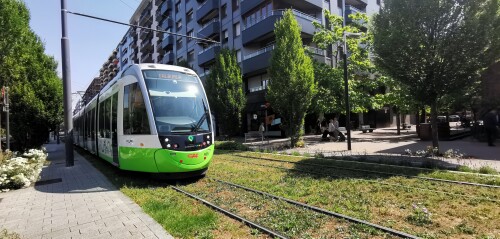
(114, 132)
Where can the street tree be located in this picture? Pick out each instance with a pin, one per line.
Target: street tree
(360, 68)
(291, 85)
(436, 47)
(224, 87)
(35, 89)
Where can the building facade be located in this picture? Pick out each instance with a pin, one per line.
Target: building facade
(246, 26)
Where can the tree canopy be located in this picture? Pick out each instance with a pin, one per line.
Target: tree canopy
(35, 89)
(291, 85)
(224, 87)
(436, 47)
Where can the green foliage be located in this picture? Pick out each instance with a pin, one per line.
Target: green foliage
(291, 86)
(487, 170)
(9, 235)
(330, 89)
(436, 47)
(224, 88)
(35, 89)
(230, 145)
(363, 80)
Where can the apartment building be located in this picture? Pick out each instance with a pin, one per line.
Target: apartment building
(243, 25)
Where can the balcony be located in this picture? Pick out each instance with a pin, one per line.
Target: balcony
(147, 58)
(167, 24)
(145, 34)
(257, 61)
(158, 2)
(166, 7)
(316, 53)
(145, 18)
(262, 28)
(168, 58)
(146, 45)
(208, 55)
(206, 9)
(247, 5)
(209, 29)
(168, 43)
(357, 3)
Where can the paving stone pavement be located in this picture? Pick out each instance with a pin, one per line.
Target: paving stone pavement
(84, 205)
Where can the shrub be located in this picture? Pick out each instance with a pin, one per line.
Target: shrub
(20, 171)
(464, 168)
(9, 235)
(295, 153)
(420, 216)
(487, 170)
(230, 145)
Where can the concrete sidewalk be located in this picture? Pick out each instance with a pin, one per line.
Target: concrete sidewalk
(77, 202)
(386, 141)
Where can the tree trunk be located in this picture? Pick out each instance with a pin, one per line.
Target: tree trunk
(417, 116)
(423, 116)
(434, 126)
(398, 122)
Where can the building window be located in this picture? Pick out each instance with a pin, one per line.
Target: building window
(236, 4)
(178, 7)
(237, 29)
(190, 33)
(179, 43)
(179, 25)
(224, 11)
(189, 15)
(378, 2)
(238, 56)
(190, 57)
(226, 36)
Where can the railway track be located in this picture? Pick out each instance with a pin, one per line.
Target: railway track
(368, 180)
(276, 234)
(232, 215)
(321, 210)
(376, 172)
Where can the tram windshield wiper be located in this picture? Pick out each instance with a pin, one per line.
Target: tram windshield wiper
(202, 119)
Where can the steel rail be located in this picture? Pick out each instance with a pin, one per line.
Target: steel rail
(323, 211)
(375, 172)
(368, 180)
(232, 215)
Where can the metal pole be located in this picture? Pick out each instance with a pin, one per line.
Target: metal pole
(68, 121)
(7, 134)
(346, 82)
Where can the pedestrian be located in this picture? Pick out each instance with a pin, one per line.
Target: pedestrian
(333, 128)
(490, 125)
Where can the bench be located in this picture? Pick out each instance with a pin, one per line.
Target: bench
(254, 135)
(366, 128)
(342, 129)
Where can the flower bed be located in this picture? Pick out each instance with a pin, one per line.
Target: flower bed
(18, 171)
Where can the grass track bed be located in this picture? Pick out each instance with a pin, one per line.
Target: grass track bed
(455, 190)
(449, 216)
(290, 220)
(412, 171)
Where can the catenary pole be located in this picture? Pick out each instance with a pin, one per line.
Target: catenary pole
(68, 121)
(346, 82)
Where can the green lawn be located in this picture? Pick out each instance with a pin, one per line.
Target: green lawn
(424, 208)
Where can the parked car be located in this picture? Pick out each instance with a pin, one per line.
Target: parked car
(453, 118)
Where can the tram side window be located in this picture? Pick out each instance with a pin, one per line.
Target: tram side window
(135, 118)
(107, 118)
(101, 119)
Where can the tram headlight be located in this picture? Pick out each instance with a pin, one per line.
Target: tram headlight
(166, 140)
(208, 136)
(168, 145)
(208, 142)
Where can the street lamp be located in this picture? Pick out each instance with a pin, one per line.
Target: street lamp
(346, 88)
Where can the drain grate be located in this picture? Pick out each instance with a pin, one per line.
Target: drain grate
(49, 181)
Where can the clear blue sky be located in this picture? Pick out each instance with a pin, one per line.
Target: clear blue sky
(91, 41)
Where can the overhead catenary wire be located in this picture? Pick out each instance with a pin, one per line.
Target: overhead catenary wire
(141, 27)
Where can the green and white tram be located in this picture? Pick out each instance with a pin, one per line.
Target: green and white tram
(151, 118)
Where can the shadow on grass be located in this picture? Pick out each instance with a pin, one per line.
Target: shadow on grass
(123, 178)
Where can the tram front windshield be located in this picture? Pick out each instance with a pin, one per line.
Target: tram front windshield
(178, 102)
